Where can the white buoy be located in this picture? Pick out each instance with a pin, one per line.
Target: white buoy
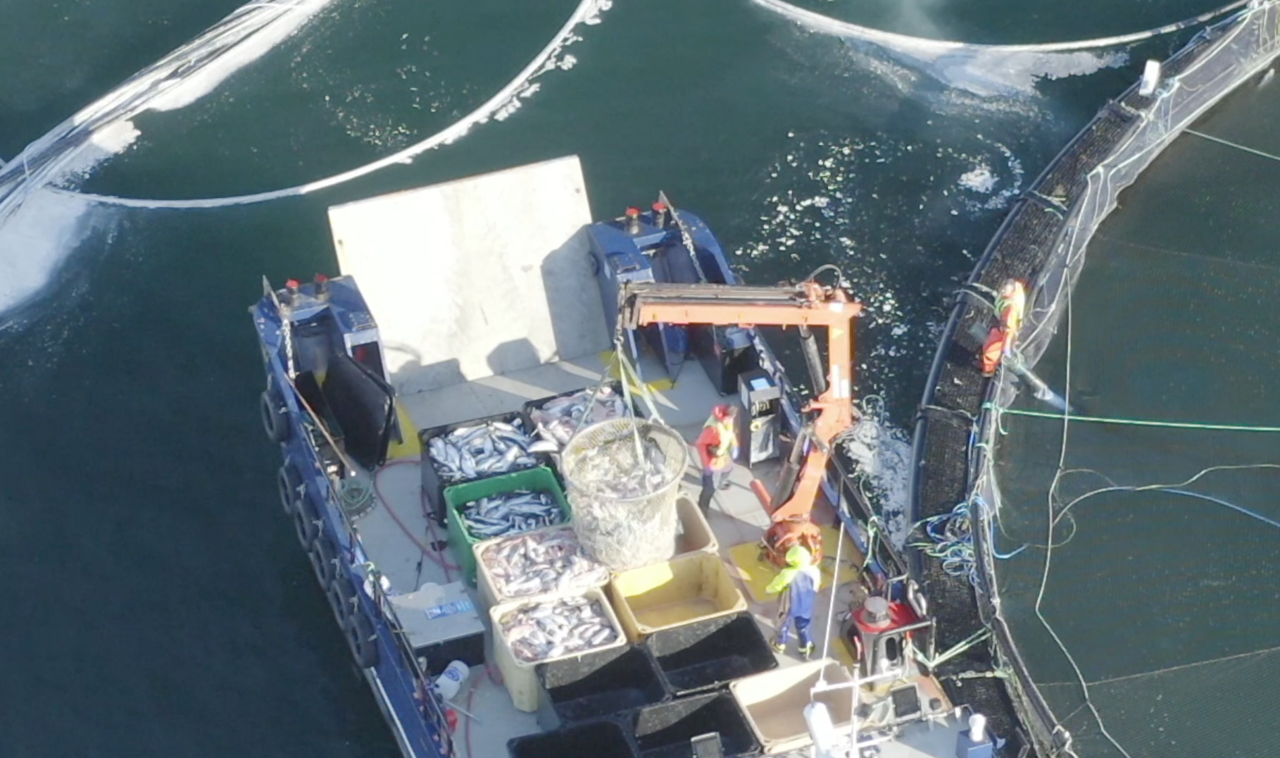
(821, 730)
(978, 728)
(1150, 78)
(451, 679)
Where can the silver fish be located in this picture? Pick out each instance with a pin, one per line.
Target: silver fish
(559, 418)
(510, 513)
(541, 562)
(555, 628)
(494, 447)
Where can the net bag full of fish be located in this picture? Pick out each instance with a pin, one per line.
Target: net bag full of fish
(622, 478)
(558, 418)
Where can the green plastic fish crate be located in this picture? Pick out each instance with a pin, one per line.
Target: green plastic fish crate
(461, 542)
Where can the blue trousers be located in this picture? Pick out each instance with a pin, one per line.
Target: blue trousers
(712, 479)
(802, 631)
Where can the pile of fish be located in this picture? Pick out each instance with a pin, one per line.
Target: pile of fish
(539, 563)
(510, 512)
(494, 447)
(560, 417)
(541, 631)
(611, 470)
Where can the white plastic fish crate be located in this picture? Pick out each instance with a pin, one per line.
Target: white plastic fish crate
(520, 677)
(490, 592)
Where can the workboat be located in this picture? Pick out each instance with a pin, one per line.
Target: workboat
(436, 406)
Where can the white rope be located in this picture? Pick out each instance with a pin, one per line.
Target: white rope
(1228, 143)
(835, 585)
(1048, 553)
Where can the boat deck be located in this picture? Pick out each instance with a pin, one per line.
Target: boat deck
(736, 518)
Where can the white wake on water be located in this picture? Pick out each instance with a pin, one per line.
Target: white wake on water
(41, 225)
(990, 70)
(42, 218)
(499, 107)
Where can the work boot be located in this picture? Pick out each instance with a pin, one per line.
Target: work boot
(806, 652)
(779, 647)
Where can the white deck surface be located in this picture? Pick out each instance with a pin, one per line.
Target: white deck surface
(736, 517)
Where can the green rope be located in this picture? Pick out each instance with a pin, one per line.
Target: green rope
(1141, 422)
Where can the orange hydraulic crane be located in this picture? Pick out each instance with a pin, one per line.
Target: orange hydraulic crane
(804, 305)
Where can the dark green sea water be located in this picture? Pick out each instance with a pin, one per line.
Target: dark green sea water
(156, 603)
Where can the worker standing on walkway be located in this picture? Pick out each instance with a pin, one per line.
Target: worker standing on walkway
(800, 578)
(1010, 308)
(717, 447)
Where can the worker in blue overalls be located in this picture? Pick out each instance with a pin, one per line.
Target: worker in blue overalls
(800, 578)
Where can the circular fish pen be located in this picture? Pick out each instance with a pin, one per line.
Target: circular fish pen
(1069, 679)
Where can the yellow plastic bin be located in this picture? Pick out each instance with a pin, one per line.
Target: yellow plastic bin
(689, 588)
(774, 703)
(519, 676)
(695, 533)
(493, 591)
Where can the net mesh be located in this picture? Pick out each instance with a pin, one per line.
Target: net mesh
(1125, 570)
(622, 477)
(1144, 622)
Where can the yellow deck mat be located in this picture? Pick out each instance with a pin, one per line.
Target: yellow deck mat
(756, 574)
(615, 372)
(411, 447)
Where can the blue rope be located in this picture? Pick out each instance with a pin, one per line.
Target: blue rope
(1232, 506)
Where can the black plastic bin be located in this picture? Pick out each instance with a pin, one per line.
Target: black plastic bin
(667, 730)
(603, 738)
(433, 485)
(597, 684)
(709, 653)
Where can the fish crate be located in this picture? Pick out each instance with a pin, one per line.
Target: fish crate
(597, 684)
(708, 653)
(614, 385)
(679, 591)
(434, 485)
(520, 677)
(669, 730)
(493, 591)
(461, 541)
(695, 533)
(774, 703)
(603, 738)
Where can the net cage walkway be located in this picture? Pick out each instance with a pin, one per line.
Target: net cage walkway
(1042, 242)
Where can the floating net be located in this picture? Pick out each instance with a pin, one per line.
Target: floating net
(1122, 553)
(622, 478)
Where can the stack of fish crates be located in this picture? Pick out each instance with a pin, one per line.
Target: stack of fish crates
(527, 633)
(462, 534)
(447, 440)
(534, 564)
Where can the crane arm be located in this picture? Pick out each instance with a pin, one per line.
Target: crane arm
(807, 304)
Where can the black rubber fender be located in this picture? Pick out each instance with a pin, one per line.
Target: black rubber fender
(344, 594)
(363, 639)
(289, 485)
(275, 419)
(306, 522)
(324, 559)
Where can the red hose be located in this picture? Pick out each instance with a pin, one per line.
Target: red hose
(377, 488)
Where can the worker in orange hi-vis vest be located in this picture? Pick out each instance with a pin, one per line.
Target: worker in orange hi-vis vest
(1010, 308)
(717, 447)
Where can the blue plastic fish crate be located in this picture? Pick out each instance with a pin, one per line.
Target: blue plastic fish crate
(540, 479)
(433, 485)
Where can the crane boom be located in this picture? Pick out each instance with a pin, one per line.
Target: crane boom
(807, 304)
